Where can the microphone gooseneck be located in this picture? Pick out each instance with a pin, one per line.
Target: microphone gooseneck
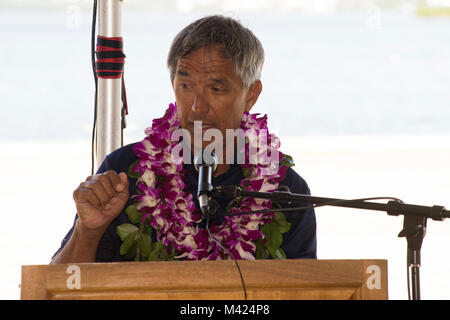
(205, 163)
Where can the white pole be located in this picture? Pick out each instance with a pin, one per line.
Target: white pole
(109, 98)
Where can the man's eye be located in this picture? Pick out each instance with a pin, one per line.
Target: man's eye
(218, 90)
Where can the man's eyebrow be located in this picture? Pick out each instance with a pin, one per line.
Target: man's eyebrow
(182, 72)
(221, 81)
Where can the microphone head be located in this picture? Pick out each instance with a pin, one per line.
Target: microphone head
(205, 158)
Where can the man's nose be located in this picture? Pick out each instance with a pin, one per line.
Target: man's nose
(200, 105)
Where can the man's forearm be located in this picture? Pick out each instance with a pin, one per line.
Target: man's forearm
(81, 247)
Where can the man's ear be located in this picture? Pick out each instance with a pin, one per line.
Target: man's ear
(252, 95)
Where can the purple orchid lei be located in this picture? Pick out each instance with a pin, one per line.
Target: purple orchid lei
(166, 205)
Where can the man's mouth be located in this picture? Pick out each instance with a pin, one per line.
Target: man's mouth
(199, 125)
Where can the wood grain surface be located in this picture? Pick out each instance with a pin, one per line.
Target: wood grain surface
(210, 280)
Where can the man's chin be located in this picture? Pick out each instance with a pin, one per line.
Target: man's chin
(208, 147)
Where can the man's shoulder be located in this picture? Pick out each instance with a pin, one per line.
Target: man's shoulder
(120, 159)
(295, 182)
(125, 151)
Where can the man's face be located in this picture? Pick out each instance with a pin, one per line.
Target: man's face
(208, 89)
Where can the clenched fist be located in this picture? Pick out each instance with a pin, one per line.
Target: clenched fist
(100, 199)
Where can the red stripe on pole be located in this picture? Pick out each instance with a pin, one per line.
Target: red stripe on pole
(118, 63)
(112, 38)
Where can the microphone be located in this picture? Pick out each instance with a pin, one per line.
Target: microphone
(205, 166)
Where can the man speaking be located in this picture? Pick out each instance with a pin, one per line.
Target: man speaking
(142, 203)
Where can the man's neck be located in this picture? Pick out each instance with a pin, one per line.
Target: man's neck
(221, 168)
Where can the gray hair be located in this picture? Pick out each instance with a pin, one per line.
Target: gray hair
(239, 44)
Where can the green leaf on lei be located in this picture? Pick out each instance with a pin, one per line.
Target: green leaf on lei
(131, 173)
(276, 253)
(261, 252)
(155, 251)
(287, 161)
(124, 230)
(276, 239)
(283, 228)
(134, 214)
(145, 242)
(266, 230)
(273, 233)
(132, 253)
(128, 243)
(247, 172)
(282, 224)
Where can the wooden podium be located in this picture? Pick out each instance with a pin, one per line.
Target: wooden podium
(208, 280)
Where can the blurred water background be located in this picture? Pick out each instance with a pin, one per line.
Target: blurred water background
(339, 72)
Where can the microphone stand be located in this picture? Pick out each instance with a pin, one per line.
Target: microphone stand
(414, 223)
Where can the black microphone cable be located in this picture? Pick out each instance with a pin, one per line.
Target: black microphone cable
(209, 207)
(230, 254)
(94, 127)
(124, 110)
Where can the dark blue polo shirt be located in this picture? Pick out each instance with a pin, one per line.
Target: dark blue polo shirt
(299, 242)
